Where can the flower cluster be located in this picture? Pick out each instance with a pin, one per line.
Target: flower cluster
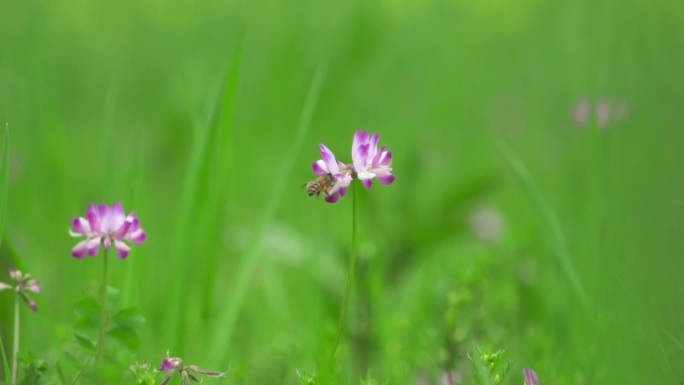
(173, 365)
(24, 284)
(608, 111)
(103, 224)
(368, 162)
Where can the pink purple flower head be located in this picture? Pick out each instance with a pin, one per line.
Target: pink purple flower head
(24, 284)
(607, 111)
(530, 377)
(582, 111)
(369, 162)
(170, 363)
(173, 365)
(340, 173)
(103, 224)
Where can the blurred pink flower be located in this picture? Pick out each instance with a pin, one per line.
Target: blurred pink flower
(173, 365)
(104, 224)
(24, 284)
(607, 112)
(369, 162)
(530, 377)
(582, 111)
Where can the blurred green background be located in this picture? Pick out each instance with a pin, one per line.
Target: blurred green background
(515, 222)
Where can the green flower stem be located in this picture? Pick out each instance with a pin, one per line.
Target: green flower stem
(103, 313)
(15, 345)
(350, 276)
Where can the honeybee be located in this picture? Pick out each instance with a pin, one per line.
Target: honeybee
(323, 183)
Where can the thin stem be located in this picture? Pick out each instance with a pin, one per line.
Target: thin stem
(15, 345)
(103, 314)
(80, 372)
(350, 276)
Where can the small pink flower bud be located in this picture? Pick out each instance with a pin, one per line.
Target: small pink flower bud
(530, 377)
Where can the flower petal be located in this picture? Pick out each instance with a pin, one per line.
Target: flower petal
(80, 250)
(33, 285)
(365, 174)
(93, 246)
(122, 249)
(5, 286)
(115, 217)
(373, 145)
(343, 190)
(360, 137)
(170, 363)
(123, 230)
(94, 218)
(80, 225)
(386, 179)
(329, 159)
(530, 377)
(360, 156)
(32, 304)
(135, 222)
(16, 275)
(382, 158)
(137, 236)
(107, 242)
(319, 167)
(332, 198)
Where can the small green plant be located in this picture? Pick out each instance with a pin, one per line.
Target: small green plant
(23, 284)
(142, 374)
(307, 378)
(34, 369)
(120, 330)
(371, 381)
(488, 368)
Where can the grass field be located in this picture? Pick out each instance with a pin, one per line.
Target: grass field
(538, 150)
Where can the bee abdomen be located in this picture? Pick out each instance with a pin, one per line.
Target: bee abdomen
(313, 188)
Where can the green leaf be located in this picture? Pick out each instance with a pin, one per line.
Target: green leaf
(34, 371)
(68, 357)
(113, 295)
(4, 180)
(124, 338)
(87, 327)
(88, 307)
(84, 342)
(130, 317)
(5, 364)
(60, 374)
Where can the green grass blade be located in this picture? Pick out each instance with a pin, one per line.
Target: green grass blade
(480, 369)
(549, 221)
(236, 295)
(220, 171)
(108, 146)
(212, 142)
(4, 180)
(5, 364)
(676, 342)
